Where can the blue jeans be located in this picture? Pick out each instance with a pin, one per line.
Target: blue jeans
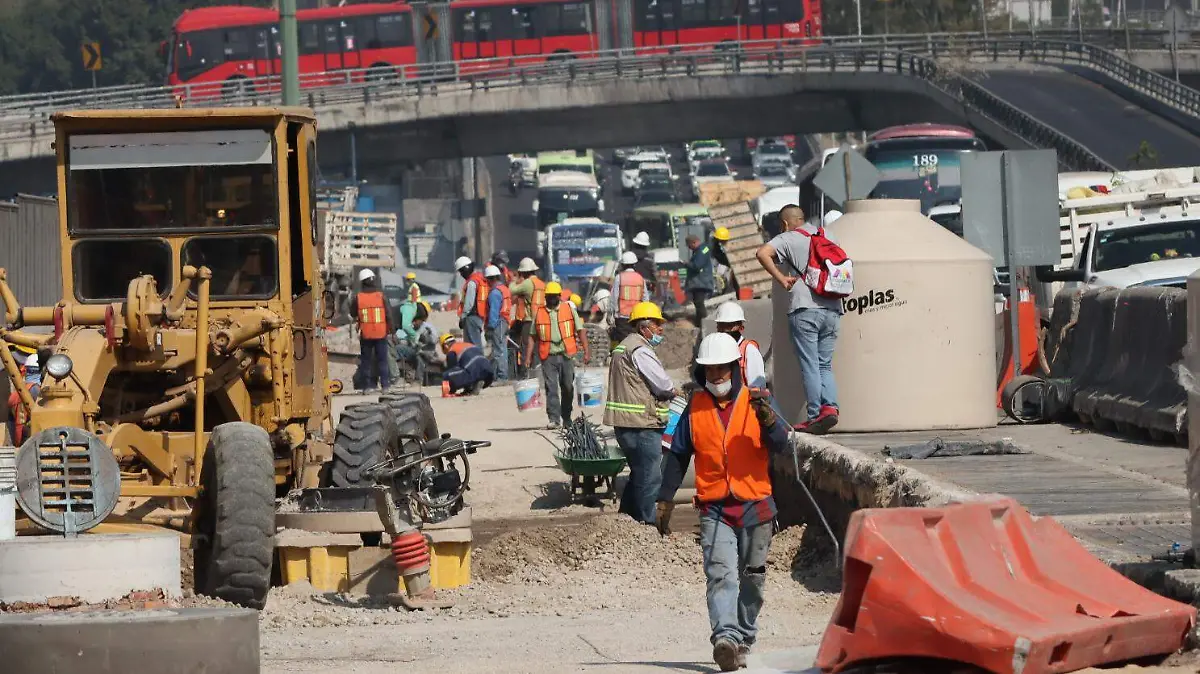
(735, 564)
(473, 330)
(498, 340)
(814, 334)
(373, 363)
(643, 450)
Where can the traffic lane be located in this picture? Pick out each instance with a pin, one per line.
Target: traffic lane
(513, 221)
(1099, 119)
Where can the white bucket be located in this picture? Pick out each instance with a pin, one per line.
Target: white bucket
(589, 388)
(528, 393)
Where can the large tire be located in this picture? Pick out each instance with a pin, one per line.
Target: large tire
(235, 537)
(364, 434)
(413, 414)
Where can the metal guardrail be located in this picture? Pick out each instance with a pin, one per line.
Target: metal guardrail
(938, 60)
(260, 90)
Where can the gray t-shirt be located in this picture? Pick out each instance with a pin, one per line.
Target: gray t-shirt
(791, 254)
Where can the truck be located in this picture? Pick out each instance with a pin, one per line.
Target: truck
(351, 241)
(577, 250)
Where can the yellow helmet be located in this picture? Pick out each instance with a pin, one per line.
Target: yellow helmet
(646, 310)
(553, 288)
(428, 307)
(410, 276)
(722, 234)
(446, 339)
(577, 299)
(28, 350)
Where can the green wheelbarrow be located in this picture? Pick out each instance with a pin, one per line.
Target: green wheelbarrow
(590, 475)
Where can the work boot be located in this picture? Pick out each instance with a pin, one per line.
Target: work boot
(725, 654)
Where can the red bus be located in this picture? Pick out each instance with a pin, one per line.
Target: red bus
(232, 45)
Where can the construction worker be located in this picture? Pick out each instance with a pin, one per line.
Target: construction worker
(529, 295)
(558, 334)
(699, 284)
(414, 290)
(500, 259)
(720, 239)
(731, 429)
(370, 310)
(599, 312)
(731, 320)
(645, 260)
(31, 374)
(629, 290)
(467, 369)
(638, 391)
(499, 315)
(413, 316)
(473, 308)
(576, 301)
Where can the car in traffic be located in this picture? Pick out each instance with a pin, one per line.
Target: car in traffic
(775, 175)
(655, 197)
(653, 170)
(706, 153)
(631, 168)
(710, 171)
(655, 182)
(767, 153)
(620, 154)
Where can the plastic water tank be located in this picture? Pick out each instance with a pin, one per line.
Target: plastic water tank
(916, 349)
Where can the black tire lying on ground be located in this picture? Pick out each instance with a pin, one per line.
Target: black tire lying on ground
(414, 413)
(235, 523)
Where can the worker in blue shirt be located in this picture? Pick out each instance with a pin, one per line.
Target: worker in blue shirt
(699, 284)
(499, 314)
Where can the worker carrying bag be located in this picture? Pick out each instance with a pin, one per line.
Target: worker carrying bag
(830, 272)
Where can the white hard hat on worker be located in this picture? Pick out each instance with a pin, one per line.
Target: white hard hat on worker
(527, 266)
(718, 356)
(730, 312)
(462, 263)
(641, 239)
(365, 274)
(491, 271)
(629, 257)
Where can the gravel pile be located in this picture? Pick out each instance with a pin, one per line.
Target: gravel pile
(679, 343)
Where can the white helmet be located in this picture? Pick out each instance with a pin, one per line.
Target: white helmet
(830, 217)
(462, 262)
(32, 364)
(730, 312)
(365, 274)
(718, 349)
(601, 295)
(629, 257)
(490, 271)
(642, 239)
(527, 265)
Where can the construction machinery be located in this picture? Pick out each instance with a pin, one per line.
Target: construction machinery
(189, 339)
(350, 240)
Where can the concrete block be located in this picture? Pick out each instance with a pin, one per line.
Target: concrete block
(161, 641)
(94, 568)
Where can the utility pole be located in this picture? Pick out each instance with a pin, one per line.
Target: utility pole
(290, 57)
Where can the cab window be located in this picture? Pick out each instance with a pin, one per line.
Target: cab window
(243, 267)
(104, 267)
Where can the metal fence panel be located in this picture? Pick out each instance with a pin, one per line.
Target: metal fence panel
(30, 251)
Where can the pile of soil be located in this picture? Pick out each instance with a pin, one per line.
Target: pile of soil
(679, 343)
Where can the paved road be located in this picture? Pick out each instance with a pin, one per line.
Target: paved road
(1102, 121)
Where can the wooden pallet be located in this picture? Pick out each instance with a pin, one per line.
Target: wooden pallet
(745, 237)
(360, 240)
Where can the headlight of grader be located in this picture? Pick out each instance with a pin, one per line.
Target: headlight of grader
(59, 366)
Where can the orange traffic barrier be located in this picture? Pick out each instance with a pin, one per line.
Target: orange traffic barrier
(984, 584)
(1027, 325)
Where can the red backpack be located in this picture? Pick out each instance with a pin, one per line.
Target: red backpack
(830, 272)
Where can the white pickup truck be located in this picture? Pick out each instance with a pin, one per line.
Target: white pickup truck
(1142, 233)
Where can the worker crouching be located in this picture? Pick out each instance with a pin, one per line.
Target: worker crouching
(731, 429)
(467, 369)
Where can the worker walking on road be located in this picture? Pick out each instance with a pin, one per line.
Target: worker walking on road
(529, 295)
(629, 290)
(467, 370)
(370, 311)
(730, 428)
(499, 313)
(558, 334)
(813, 319)
(645, 261)
(414, 290)
(473, 308)
(699, 284)
(639, 389)
(731, 320)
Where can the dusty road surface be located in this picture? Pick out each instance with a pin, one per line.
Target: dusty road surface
(556, 587)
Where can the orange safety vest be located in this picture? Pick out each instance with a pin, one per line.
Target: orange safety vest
(633, 288)
(526, 309)
(505, 303)
(742, 346)
(372, 320)
(458, 347)
(730, 460)
(566, 330)
(481, 293)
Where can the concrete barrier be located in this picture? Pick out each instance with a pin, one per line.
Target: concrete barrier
(1118, 350)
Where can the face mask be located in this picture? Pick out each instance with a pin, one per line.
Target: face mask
(735, 334)
(655, 340)
(719, 390)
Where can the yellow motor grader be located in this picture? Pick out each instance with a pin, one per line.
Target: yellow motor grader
(189, 338)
